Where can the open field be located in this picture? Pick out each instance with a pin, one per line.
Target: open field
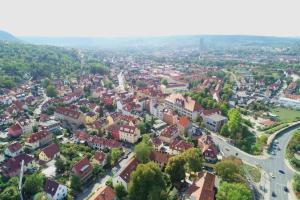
(254, 172)
(286, 114)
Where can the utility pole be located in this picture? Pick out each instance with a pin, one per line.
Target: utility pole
(21, 178)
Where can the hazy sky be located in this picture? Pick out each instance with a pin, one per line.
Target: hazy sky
(149, 17)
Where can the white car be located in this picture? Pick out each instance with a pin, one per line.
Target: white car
(272, 175)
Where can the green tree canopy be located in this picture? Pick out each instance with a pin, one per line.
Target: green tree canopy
(230, 170)
(51, 91)
(143, 149)
(234, 191)
(33, 184)
(120, 191)
(147, 183)
(10, 193)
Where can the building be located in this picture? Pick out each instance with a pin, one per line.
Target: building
(39, 139)
(208, 147)
(12, 166)
(83, 169)
(124, 176)
(160, 158)
(50, 125)
(184, 105)
(203, 188)
(290, 103)
(129, 133)
(14, 149)
(104, 193)
(170, 117)
(101, 143)
(69, 115)
(15, 130)
(49, 153)
(99, 158)
(169, 134)
(54, 190)
(178, 146)
(184, 125)
(214, 121)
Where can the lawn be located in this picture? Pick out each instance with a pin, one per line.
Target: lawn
(254, 172)
(286, 114)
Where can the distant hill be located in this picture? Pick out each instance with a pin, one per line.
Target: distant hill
(5, 36)
(223, 41)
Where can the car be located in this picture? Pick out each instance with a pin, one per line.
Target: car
(281, 171)
(286, 189)
(272, 175)
(273, 153)
(227, 149)
(273, 194)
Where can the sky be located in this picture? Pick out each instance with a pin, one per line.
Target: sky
(98, 18)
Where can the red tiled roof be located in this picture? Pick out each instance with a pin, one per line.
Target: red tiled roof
(14, 164)
(15, 146)
(211, 111)
(82, 168)
(99, 156)
(67, 112)
(184, 121)
(127, 129)
(51, 150)
(37, 136)
(159, 157)
(131, 166)
(50, 187)
(105, 193)
(180, 145)
(203, 188)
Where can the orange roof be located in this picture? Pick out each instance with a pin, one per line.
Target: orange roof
(184, 121)
(105, 193)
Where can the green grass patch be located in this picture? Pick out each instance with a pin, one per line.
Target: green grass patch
(254, 172)
(286, 114)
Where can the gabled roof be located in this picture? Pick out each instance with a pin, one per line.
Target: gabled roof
(184, 121)
(51, 150)
(82, 167)
(159, 157)
(126, 172)
(50, 187)
(37, 136)
(14, 164)
(203, 187)
(15, 146)
(99, 156)
(104, 193)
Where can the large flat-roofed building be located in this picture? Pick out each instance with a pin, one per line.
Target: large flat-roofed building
(184, 105)
(214, 121)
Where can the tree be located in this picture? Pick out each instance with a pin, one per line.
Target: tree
(193, 159)
(147, 182)
(46, 82)
(41, 196)
(224, 130)
(296, 183)
(97, 170)
(115, 155)
(164, 82)
(234, 191)
(230, 170)
(60, 166)
(10, 193)
(235, 120)
(120, 191)
(51, 91)
(175, 169)
(33, 184)
(143, 149)
(75, 183)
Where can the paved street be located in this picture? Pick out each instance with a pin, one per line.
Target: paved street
(270, 164)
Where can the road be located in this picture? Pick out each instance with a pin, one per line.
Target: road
(269, 164)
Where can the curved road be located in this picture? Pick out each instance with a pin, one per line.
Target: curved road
(269, 164)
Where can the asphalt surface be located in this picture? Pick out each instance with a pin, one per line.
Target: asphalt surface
(270, 164)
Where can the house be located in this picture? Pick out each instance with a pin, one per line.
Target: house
(49, 153)
(157, 144)
(39, 139)
(81, 137)
(129, 133)
(89, 118)
(173, 88)
(214, 121)
(101, 143)
(160, 158)
(124, 175)
(99, 158)
(15, 130)
(169, 134)
(5, 119)
(26, 125)
(54, 190)
(104, 193)
(12, 166)
(70, 115)
(203, 188)
(170, 117)
(50, 125)
(184, 125)
(184, 105)
(208, 147)
(178, 146)
(13, 149)
(83, 169)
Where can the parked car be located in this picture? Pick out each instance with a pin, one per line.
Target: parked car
(286, 189)
(281, 171)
